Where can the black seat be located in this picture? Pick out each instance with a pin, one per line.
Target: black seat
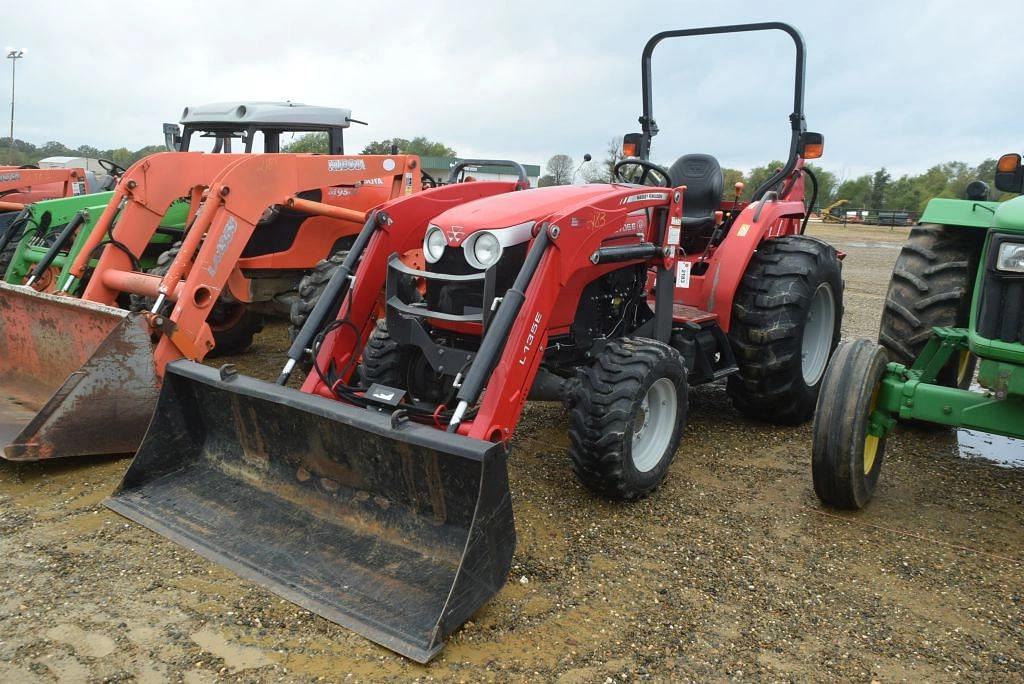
(702, 176)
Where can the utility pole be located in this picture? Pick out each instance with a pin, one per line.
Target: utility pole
(13, 54)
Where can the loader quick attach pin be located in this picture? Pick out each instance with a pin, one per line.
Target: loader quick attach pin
(158, 303)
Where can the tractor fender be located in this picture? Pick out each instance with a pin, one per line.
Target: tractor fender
(756, 223)
(959, 213)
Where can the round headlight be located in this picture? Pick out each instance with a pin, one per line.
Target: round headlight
(433, 245)
(486, 250)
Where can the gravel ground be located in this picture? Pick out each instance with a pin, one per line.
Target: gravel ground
(730, 571)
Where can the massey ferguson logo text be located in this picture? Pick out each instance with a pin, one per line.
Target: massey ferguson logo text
(645, 197)
(346, 165)
(9, 177)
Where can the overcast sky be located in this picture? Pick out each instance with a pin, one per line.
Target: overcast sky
(898, 84)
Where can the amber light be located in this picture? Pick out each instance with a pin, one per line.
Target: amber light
(1008, 163)
(814, 150)
(628, 149)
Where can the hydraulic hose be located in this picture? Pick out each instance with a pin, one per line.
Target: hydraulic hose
(814, 198)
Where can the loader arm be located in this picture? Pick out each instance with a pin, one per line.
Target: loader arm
(134, 213)
(25, 186)
(236, 202)
(401, 229)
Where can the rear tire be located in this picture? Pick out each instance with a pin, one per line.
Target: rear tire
(786, 319)
(931, 286)
(845, 460)
(627, 415)
(233, 324)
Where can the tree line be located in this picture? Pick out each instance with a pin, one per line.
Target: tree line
(878, 190)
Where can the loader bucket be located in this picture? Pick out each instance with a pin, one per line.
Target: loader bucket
(76, 377)
(397, 533)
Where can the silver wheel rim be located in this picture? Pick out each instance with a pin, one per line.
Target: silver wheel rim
(818, 329)
(654, 424)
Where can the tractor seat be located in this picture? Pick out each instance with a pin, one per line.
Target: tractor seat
(702, 176)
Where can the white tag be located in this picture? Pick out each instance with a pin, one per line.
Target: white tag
(683, 274)
(673, 235)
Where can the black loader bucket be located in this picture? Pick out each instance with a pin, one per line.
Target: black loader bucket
(76, 377)
(398, 533)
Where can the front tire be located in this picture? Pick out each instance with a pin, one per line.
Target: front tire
(845, 460)
(931, 287)
(786, 318)
(627, 416)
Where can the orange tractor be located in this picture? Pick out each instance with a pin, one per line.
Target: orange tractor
(80, 376)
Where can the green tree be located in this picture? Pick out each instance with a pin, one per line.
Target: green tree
(758, 175)
(857, 190)
(827, 183)
(560, 168)
(730, 177)
(310, 143)
(418, 145)
(879, 185)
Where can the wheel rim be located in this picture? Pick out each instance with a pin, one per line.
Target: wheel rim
(654, 424)
(871, 442)
(962, 369)
(818, 330)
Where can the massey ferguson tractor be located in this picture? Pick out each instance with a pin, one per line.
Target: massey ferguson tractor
(955, 306)
(377, 495)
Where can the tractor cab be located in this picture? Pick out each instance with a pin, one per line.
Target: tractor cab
(247, 122)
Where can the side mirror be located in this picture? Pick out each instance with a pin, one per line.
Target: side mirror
(172, 137)
(812, 145)
(631, 143)
(1009, 174)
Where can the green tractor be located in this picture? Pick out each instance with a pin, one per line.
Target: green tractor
(43, 225)
(955, 306)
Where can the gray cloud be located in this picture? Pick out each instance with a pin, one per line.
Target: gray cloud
(904, 85)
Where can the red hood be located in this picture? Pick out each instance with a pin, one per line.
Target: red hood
(514, 208)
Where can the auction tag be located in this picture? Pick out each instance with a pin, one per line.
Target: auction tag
(683, 274)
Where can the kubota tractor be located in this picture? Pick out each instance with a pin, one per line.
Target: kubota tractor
(377, 495)
(956, 297)
(41, 247)
(80, 376)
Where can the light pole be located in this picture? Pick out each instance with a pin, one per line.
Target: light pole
(13, 54)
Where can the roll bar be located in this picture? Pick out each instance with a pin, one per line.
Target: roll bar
(796, 119)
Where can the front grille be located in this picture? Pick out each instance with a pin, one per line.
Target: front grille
(1001, 300)
(467, 298)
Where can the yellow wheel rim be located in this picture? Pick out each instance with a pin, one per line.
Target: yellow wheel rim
(870, 441)
(962, 367)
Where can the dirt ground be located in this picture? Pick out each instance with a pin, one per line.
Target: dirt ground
(731, 570)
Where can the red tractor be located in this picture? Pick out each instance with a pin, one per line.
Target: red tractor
(377, 495)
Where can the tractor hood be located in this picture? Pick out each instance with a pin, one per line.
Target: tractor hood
(1010, 215)
(514, 209)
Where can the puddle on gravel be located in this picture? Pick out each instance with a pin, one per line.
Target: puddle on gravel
(1004, 451)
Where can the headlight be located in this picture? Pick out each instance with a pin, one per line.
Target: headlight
(1011, 257)
(485, 250)
(433, 245)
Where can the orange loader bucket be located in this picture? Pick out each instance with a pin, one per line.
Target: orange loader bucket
(77, 378)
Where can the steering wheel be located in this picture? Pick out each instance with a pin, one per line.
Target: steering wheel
(426, 180)
(111, 168)
(649, 168)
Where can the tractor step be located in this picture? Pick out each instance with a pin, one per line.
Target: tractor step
(681, 313)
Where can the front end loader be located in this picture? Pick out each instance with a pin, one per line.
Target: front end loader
(88, 367)
(377, 494)
(955, 306)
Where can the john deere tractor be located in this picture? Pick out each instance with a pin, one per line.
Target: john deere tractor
(955, 306)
